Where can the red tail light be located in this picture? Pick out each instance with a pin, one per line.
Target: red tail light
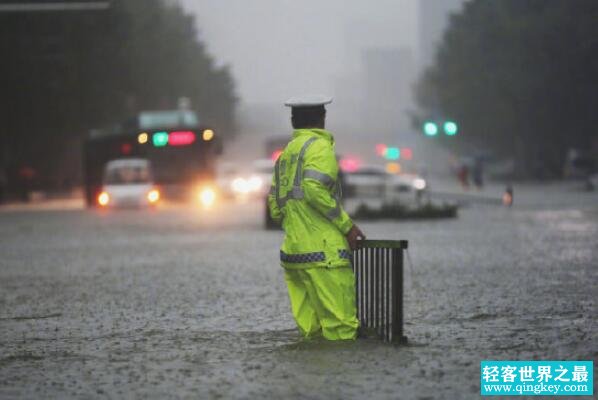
(350, 164)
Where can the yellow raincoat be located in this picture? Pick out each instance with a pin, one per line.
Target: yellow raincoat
(315, 253)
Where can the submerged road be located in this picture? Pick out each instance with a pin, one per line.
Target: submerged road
(183, 303)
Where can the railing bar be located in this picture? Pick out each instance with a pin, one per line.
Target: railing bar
(400, 292)
(381, 289)
(377, 283)
(361, 253)
(374, 264)
(381, 286)
(371, 289)
(357, 281)
(389, 300)
(395, 276)
(386, 294)
(365, 287)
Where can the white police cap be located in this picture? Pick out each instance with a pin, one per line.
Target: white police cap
(309, 100)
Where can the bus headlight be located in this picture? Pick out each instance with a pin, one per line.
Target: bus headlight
(207, 197)
(103, 199)
(153, 196)
(207, 135)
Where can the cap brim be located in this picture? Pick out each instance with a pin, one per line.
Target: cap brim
(308, 101)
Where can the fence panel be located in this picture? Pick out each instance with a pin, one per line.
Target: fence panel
(378, 267)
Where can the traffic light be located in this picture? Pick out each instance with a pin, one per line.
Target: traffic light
(381, 149)
(430, 128)
(450, 128)
(392, 153)
(175, 138)
(160, 139)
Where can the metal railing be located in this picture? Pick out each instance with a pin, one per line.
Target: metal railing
(378, 267)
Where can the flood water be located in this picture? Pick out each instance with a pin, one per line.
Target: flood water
(182, 303)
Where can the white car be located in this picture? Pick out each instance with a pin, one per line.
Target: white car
(406, 184)
(262, 173)
(252, 181)
(367, 181)
(373, 181)
(128, 183)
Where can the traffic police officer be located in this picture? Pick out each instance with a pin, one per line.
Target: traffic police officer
(319, 235)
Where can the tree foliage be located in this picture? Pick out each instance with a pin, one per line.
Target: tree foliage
(63, 73)
(521, 78)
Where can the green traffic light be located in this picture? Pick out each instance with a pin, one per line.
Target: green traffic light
(430, 128)
(160, 139)
(450, 128)
(392, 153)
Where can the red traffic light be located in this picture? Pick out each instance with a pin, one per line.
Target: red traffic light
(381, 149)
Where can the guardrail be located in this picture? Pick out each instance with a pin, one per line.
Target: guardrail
(378, 267)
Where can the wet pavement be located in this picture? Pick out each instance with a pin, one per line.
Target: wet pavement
(184, 303)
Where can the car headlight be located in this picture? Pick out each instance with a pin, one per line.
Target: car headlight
(207, 197)
(240, 185)
(255, 183)
(419, 184)
(153, 196)
(103, 199)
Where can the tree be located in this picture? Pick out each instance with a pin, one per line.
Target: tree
(64, 73)
(520, 77)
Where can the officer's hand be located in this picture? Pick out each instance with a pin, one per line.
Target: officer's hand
(353, 235)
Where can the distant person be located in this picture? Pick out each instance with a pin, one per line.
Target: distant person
(463, 175)
(507, 197)
(478, 173)
(319, 235)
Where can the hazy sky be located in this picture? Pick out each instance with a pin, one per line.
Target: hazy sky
(278, 48)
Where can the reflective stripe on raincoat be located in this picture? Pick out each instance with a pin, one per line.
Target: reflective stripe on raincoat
(304, 196)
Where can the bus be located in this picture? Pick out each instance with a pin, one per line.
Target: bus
(181, 150)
